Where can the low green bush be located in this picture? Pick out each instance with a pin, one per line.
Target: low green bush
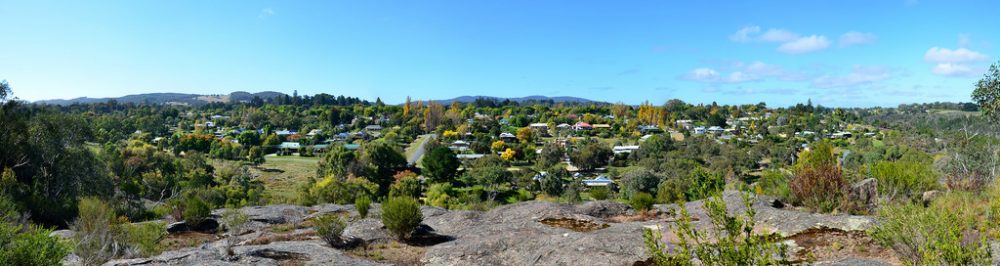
(101, 235)
(401, 215)
(642, 201)
(362, 204)
(774, 183)
(733, 240)
(30, 246)
(195, 210)
(600, 193)
(937, 235)
(438, 195)
(671, 190)
(330, 227)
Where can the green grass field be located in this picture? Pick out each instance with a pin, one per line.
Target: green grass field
(282, 175)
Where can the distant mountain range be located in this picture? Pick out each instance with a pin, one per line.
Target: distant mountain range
(197, 99)
(171, 98)
(558, 99)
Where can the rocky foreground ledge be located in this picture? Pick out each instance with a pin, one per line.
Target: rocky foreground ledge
(528, 233)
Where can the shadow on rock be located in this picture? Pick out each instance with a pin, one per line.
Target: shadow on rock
(424, 236)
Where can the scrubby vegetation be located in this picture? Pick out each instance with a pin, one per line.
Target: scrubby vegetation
(107, 169)
(730, 241)
(401, 215)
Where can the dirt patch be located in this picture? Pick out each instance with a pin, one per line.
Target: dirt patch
(269, 238)
(186, 239)
(393, 252)
(644, 216)
(573, 224)
(824, 244)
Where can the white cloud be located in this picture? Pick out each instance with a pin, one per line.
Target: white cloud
(743, 35)
(960, 55)
(702, 74)
(805, 45)
(860, 75)
(856, 38)
(266, 12)
(954, 70)
(740, 72)
(778, 35)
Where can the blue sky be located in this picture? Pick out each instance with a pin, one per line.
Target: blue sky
(837, 53)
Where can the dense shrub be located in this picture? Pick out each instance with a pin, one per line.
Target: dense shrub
(440, 194)
(733, 240)
(330, 227)
(336, 190)
(641, 201)
(362, 204)
(600, 193)
(639, 180)
(939, 235)
(819, 182)
(30, 246)
(774, 183)
(406, 186)
(671, 190)
(401, 215)
(906, 178)
(703, 183)
(195, 210)
(101, 235)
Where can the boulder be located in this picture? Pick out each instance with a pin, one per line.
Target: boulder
(64, 234)
(864, 195)
(273, 214)
(929, 196)
(368, 230)
(602, 209)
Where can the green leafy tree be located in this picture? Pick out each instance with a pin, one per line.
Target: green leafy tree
(590, 154)
(553, 183)
(552, 154)
(639, 180)
(441, 165)
(987, 93)
(255, 155)
(382, 160)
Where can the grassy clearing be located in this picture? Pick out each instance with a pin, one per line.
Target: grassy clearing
(282, 175)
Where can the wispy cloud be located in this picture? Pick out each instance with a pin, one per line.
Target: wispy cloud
(859, 75)
(740, 72)
(805, 45)
(794, 43)
(945, 55)
(856, 38)
(266, 12)
(955, 62)
(745, 34)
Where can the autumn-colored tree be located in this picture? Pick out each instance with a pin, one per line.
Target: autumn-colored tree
(498, 145)
(433, 116)
(508, 154)
(525, 134)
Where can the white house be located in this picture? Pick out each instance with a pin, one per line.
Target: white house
(625, 149)
(599, 181)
